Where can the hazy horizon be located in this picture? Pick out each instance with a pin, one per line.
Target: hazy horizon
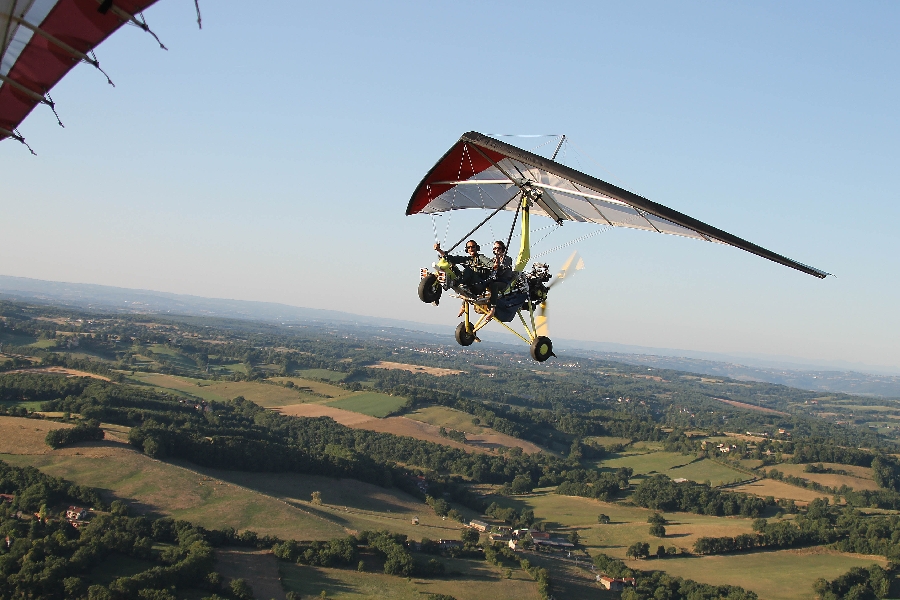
(765, 361)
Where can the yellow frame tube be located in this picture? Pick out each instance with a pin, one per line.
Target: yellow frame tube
(531, 334)
(515, 332)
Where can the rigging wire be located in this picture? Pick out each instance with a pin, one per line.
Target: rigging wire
(603, 229)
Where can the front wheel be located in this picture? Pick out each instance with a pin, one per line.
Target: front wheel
(429, 289)
(541, 348)
(464, 337)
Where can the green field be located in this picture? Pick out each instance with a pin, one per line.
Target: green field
(29, 404)
(370, 403)
(163, 489)
(628, 523)
(475, 580)
(40, 344)
(322, 390)
(605, 440)
(707, 470)
(264, 394)
(777, 575)
(647, 463)
(322, 374)
(354, 505)
(445, 417)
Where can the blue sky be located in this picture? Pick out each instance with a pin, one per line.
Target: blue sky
(271, 155)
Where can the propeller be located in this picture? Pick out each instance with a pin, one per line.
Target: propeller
(574, 263)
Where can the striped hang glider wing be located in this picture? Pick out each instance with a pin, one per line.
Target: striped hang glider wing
(482, 172)
(41, 40)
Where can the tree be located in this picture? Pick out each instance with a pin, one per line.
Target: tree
(470, 536)
(661, 552)
(638, 550)
(657, 530)
(656, 519)
(317, 497)
(603, 519)
(241, 589)
(521, 484)
(574, 538)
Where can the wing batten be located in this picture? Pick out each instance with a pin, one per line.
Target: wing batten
(627, 208)
(43, 40)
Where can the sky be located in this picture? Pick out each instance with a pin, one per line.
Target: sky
(271, 155)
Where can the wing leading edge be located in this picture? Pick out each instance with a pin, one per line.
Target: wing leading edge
(482, 172)
(42, 40)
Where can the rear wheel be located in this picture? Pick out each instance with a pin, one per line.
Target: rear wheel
(464, 337)
(429, 289)
(541, 348)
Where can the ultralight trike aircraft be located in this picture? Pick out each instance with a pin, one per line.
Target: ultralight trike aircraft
(480, 172)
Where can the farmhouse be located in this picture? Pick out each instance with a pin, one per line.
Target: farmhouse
(479, 525)
(76, 513)
(613, 584)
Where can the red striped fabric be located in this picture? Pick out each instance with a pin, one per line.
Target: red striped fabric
(41, 64)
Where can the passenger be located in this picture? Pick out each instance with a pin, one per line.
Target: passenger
(476, 267)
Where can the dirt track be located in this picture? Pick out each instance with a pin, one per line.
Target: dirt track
(436, 371)
(61, 371)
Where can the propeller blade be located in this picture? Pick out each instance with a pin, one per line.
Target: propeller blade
(568, 268)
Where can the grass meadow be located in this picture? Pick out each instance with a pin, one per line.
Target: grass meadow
(324, 390)
(19, 435)
(780, 490)
(351, 504)
(322, 374)
(628, 524)
(861, 478)
(163, 489)
(445, 417)
(776, 575)
(264, 394)
(646, 463)
(475, 580)
(707, 470)
(159, 488)
(373, 404)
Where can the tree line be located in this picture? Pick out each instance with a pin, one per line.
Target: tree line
(661, 493)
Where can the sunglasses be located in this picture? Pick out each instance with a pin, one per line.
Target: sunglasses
(498, 249)
(471, 247)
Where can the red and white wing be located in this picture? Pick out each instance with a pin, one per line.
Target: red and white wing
(482, 172)
(41, 40)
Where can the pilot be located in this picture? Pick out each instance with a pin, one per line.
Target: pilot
(476, 266)
(500, 277)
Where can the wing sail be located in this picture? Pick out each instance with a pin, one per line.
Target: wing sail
(482, 172)
(42, 40)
